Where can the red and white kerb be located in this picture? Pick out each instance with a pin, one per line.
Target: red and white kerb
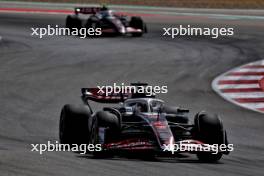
(243, 86)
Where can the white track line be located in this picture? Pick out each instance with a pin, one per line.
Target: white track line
(237, 86)
(241, 77)
(253, 105)
(245, 95)
(250, 70)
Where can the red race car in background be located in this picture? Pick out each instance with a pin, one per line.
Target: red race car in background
(107, 20)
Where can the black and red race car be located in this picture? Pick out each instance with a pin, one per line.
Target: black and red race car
(108, 21)
(141, 124)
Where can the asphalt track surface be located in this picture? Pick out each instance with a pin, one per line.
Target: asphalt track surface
(38, 76)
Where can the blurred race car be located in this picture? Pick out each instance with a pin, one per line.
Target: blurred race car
(141, 125)
(107, 20)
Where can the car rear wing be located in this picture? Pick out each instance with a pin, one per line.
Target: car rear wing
(87, 10)
(99, 95)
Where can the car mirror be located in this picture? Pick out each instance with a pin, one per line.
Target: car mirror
(127, 110)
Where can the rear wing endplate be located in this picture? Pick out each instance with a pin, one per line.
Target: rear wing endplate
(98, 95)
(87, 10)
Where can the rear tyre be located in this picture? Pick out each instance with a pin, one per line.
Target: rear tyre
(145, 28)
(137, 23)
(209, 129)
(92, 23)
(73, 128)
(73, 22)
(106, 121)
(208, 157)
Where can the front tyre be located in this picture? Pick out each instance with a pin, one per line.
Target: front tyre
(100, 123)
(209, 129)
(209, 157)
(73, 22)
(73, 128)
(137, 23)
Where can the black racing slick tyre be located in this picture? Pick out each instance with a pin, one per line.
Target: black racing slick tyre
(92, 23)
(137, 23)
(209, 129)
(102, 120)
(73, 128)
(73, 22)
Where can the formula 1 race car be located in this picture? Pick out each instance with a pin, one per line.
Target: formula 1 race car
(141, 124)
(108, 21)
